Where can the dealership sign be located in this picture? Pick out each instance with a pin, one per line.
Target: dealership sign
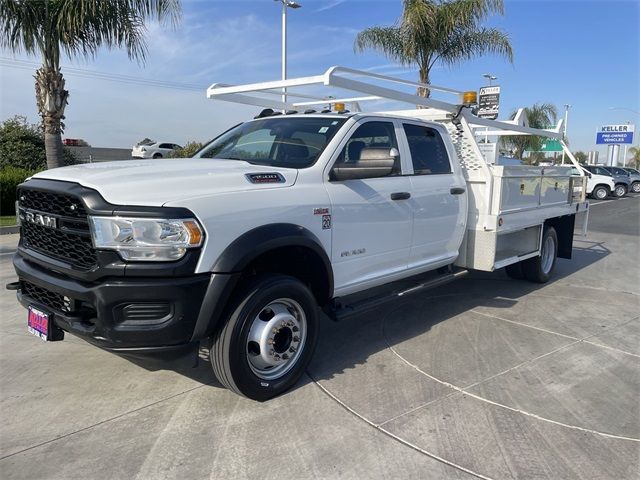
(614, 134)
(489, 102)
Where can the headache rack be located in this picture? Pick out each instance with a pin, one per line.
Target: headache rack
(508, 205)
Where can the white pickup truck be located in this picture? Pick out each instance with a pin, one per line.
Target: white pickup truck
(276, 217)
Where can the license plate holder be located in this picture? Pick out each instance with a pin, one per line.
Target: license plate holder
(39, 323)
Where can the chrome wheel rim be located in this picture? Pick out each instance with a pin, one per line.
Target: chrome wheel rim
(636, 187)
(276, 338)
(619, 191)
(548, 250)
(601, 193)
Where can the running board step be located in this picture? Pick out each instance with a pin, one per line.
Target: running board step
(339, 311)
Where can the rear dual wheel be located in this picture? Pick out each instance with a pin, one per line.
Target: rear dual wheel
(268, 337)
(538, 269)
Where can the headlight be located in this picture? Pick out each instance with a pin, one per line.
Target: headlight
(146, 239)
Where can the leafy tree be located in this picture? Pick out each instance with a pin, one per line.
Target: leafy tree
(22, 146)
(540, 115)
(187, 151)
(635, 159)
(438, 31)
(77, 28)
(581, 157)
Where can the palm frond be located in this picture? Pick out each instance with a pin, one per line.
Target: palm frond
(465, 45)
(387, 40)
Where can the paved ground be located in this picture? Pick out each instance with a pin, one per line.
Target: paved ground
(486, 378)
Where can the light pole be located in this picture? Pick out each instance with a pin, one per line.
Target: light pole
(490, 77)
(285, 4)
(566, 122)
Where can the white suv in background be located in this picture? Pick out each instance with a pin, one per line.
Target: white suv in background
(598, 186)
(153, 150)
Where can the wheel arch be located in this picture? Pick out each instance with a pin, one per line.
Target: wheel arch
(564, 227)
(276, 248)
(282, 248)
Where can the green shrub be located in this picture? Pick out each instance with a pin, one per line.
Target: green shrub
(22, 145)
(187, 151)
(10, 178)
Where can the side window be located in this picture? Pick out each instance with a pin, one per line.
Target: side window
(165, 145)
(370, 140)
(428, 152)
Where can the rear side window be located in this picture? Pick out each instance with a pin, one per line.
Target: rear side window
(165, 145)
(428, 152)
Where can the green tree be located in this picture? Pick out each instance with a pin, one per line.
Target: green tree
(77, 28)
(540, 115)
(581, 157)
(188, 151)
(22, 146)
(437, 31)
(635, 157)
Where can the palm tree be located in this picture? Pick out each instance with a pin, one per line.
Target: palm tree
(432, 31)
(635, 159)
(540, 115)
(75, 28)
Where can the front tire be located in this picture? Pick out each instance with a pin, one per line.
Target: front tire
(538, 269)
(620, 191)
(268, 337)
(600, 192)
(635, 187)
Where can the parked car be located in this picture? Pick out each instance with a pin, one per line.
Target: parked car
(154, 150)
(634, 175)
(621, 181)
(598, 186)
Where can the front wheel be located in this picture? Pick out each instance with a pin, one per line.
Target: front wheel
(620, 190)
(600, 192)
(635, 187)
(538, 269)
(268, 337)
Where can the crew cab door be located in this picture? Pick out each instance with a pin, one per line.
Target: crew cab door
(371, 217)
(438, 196)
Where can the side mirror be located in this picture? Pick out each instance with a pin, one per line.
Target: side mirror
(374, 162)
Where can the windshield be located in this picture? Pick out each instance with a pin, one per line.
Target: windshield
(293, 142)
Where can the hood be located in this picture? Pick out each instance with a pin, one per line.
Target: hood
(157, 182)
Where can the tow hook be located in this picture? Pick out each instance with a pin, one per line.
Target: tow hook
(13, 286)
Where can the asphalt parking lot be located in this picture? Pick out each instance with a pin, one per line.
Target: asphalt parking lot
(483, 378)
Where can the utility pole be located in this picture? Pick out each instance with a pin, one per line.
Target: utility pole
(285, 4)
(566, 122)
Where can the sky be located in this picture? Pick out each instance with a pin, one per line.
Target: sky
(585, 53)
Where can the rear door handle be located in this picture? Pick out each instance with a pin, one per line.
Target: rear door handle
(400, 196)
(457, 191)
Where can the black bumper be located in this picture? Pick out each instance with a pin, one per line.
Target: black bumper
(127, 314)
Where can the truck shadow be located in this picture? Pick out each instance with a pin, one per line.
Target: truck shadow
(345, 345)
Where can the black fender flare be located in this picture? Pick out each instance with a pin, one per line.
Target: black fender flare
(227, 270)
(250, 245)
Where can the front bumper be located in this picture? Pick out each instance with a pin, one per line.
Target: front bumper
(118, 313)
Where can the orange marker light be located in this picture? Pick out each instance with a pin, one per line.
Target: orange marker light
(470, 98)
(195, 235)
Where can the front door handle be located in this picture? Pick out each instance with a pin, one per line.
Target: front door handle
(400, 196)
(457, 191)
